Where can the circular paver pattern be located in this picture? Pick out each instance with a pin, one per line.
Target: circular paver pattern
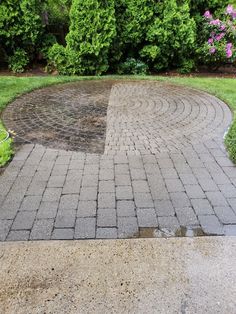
(144, 117)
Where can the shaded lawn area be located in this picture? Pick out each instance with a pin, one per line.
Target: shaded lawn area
(11, 87)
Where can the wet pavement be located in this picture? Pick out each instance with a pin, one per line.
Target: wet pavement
(178, 275)
(111, 159)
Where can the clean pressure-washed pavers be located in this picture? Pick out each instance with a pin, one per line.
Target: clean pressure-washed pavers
(150, 163)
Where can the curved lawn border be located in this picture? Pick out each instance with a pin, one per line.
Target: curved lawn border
(223, 88)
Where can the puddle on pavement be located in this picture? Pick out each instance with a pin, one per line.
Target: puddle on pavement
(166, 233)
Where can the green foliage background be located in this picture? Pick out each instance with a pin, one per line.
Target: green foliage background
(102, 35)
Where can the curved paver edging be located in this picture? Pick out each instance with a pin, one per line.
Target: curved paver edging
(155, 165)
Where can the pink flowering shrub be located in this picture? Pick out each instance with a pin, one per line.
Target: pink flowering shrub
(220, 45)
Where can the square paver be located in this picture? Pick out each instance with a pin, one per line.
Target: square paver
(56, 181)
(164, 208)
(225, 214)
(85, 228)
(87, 209)
(65, 219)
(216, 198)
(170, 223)
(52, 194)
(186, 216)
(194, 191)
(124, 193)
(31, 203)
(24, 220)
(143, 200)
(106, 200)
(47, 210)
(140, 186)
(202, 207)
(72, 187)
(88, 193)
(69, 201)
(19, 235)
(127, 227)
(90, 180)
(106, 217)
(107, 186)
(126, 208)
(211, 225)
(174, 185)
(147, 217)
(42, 229)
(180, 199)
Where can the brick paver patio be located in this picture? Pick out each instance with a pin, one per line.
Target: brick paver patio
(156, 167)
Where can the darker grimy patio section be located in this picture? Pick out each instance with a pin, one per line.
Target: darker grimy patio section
(71, 116)
(117, 159)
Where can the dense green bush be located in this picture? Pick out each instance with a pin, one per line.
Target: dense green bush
(92, 29)
(19, 61)
(20, 28)
(133, 66)
(171, 38)
(115, 35)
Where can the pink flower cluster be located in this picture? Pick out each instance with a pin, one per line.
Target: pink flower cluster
(230, 10)
(221, 30)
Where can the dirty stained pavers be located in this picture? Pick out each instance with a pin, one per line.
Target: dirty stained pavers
(154, 165)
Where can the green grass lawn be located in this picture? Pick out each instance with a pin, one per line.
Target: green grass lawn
(11, 87)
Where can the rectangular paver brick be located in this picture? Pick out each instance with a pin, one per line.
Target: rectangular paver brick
(88, 193)
(106, 233)
(124, 193)
(143, 200)
(174, 185)
(106, 217)
(52, 195)
(186, 216)
(194, 191)
(72, 187)
(62, 234)
(107, 186)
(125, 208)
(85, 228)
(18, 235)
(225, 214)
(106, 200)
(69, 201)
(127, 227)
(56, 181)
(24, 220)
(42, 229)
(87, 209)
(65, 219)
(180, 199)
(147, 217)
(202, 207)
(140, 186)
(211, 225)
(164, 208)
(216, 198)
(31, 203)
(90, 180)
(170, 223)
